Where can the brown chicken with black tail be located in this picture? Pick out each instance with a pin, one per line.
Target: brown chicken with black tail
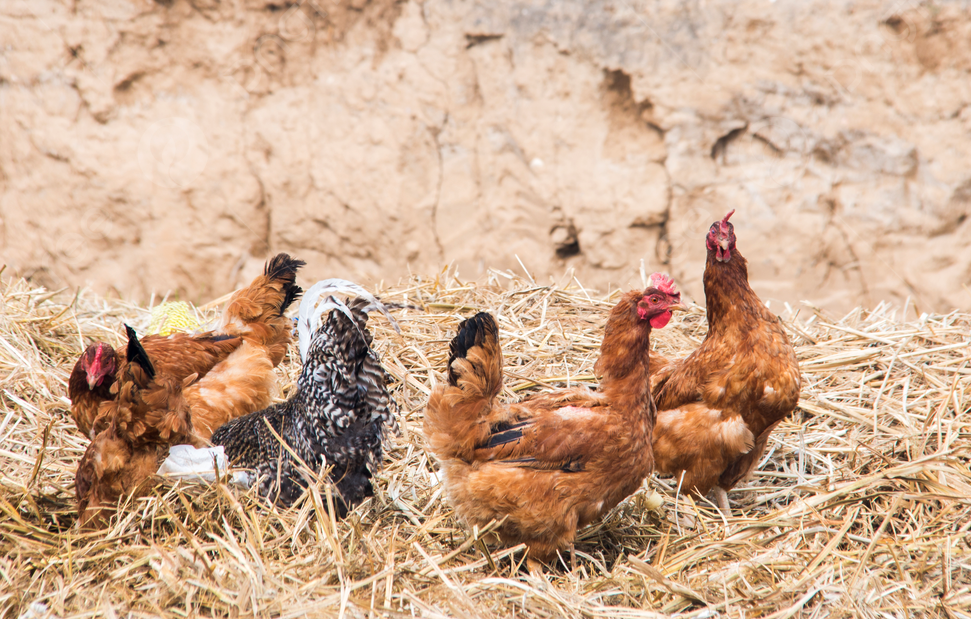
(149, 413)
(555, 462)
(717, 407)
(168, 390)
(254, 319)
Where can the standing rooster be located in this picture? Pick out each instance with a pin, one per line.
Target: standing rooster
(338, 414)
(555, 462)
(717, 407)
(174, 389)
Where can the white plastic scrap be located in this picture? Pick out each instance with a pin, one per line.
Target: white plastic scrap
(188, 463)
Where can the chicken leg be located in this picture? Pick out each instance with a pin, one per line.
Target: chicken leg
(721, 498)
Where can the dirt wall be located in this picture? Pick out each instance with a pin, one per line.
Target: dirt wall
(173, 145)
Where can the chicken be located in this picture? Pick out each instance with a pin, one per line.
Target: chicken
(555, 462)
(260, 335)
(177, 389)
(149, 413)
(128, 444)
(338, 415)
(717, 407)
(90, 385)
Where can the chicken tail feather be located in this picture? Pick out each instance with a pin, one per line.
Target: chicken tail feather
(453, 416)
(480, 331)
(136, 353)
(269, 296)
(283, 268)
(257, 312)
(312, 308)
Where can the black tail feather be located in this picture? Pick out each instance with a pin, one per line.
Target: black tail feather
(472, 332)
(283, 267)
(136, 353)
(290, 294)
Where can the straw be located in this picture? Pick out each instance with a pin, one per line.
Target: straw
(860, 507)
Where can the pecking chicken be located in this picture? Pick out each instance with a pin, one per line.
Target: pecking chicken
(554, 462)
(717, 407)
(338, 414)
(253, 336)
(176, 389)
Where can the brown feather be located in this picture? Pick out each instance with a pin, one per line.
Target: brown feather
(551, 463)
(86, 402)
(718, 406)
(201, 381)
(111, 470)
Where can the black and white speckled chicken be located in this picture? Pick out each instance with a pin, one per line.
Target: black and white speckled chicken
(338, 415)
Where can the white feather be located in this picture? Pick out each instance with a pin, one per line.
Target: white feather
(328, 304)
(310, 313)
(309, 326)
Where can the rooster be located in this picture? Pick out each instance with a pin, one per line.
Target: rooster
(251, 339)
(176, 389)
(717, 407)
(337, 417)
(555, 462)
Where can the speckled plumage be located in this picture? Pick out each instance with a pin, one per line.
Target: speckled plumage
(336, 418)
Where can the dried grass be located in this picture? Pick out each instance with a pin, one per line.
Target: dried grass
(860, 507)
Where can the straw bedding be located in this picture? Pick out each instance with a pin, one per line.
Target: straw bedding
(861, 506)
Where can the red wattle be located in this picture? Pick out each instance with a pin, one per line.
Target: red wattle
(660, 320)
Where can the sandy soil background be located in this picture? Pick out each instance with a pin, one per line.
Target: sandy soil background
(172, 145)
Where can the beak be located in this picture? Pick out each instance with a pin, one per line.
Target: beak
(723, 243)
(92, 382)
(678, 307)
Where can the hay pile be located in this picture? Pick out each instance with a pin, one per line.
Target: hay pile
(860, 506)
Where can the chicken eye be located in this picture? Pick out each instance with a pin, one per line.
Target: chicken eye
(655, 299)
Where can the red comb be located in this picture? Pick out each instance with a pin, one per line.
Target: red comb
(663, 282)
(724, 222)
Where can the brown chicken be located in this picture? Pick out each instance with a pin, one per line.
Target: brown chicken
(90, 385)
(178, 388)
(717, 407)
(259, 333)
(149, 413)
(554, 462)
